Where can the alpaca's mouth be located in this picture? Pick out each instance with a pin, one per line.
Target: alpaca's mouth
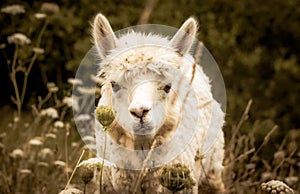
(142, 128)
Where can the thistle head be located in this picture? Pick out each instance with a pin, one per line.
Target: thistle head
(105, 115)
(176, 177)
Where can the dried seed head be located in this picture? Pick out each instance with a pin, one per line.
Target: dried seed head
(13, 9)
(59, 163)
(25, 171)
(40, 16)
(86, 174)
(17, 154)
(276, 187)
(58, 124)
(71, 191)
(19, 39)
(93, 163)
(86, 90)
(35, 142)
(105, 115)
(50, 112)
(45, 154)
(50, 136)
(175, 177)
(74, 81)
(68, 101)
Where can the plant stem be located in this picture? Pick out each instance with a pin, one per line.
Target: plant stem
(74, 170)
(84, 189)
(17, 100)
(143, 171)
(26, 74)
(66, 150)
(147, 11)
(27, 71)
(102, 165)
(43, 101)
(38, 42)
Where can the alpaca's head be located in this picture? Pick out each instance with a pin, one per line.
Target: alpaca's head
(142, 75)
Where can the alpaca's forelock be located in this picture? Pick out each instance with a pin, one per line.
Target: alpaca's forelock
(138, 53)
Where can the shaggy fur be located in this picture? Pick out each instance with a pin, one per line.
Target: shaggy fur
(138, 71)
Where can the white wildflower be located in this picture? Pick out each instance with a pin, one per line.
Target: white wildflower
(71, 102)
(75, 144)
(43, 164)
(40, 16)
(94, 78)
(16, 119)
(95, 163)
(17, 153)
(25, 171)
(91, 163)
(18, 38)
(88, 139)
(71, 191)
(53, 89)
(35, 142)
(38, 50)
(59, 163)
(13, 9)
(45, 153)
(86, 90)
(68, 101)
(51, 112)
(51, 85)
(74, 81)
(83, 117)
(51, 135)
(276, 187)
(59, 124)
(50, 8)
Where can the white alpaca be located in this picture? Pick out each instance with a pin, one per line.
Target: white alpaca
(159, 95)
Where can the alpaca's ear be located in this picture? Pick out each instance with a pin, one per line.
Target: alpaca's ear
(103, 35)
(184, 38)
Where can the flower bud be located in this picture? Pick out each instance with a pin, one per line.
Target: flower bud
(175, 177)
(105, 115)
(86, 174)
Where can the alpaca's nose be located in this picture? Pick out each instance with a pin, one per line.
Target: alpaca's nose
(139, 112)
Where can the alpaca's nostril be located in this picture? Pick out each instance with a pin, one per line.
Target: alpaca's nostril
(139, 113)
(134, 114)
(145, 111)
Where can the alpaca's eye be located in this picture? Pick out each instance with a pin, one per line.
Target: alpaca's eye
(167, 88)
(115, 86)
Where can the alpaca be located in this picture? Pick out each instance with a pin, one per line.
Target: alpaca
(165, 111)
